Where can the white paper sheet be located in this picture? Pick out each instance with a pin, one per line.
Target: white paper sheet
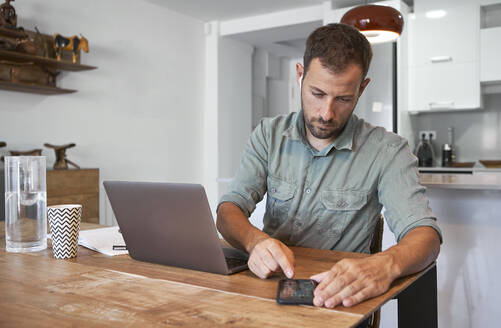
(102, 240)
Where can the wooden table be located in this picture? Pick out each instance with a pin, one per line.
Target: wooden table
(97, 290)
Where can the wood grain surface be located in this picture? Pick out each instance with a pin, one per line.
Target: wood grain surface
(75, 187)
(96, 290)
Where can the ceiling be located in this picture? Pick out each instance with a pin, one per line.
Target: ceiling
(207, 10)
(287, 41)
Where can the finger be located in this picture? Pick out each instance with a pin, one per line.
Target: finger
(362, 295)
(345, 293)
(331, 274)
(319, 276)
(268, 260)
(337, 284)
(263, 269)
(319, 298)
(258, 267)
(285, 263)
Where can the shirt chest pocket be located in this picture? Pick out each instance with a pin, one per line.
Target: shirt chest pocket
(338, 208)
(279, 199)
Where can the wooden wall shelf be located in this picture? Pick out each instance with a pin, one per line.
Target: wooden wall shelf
(46, 62)
(11, 33)
(33, 88)
(11, 57)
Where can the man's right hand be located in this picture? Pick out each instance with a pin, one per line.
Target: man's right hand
(270, 255)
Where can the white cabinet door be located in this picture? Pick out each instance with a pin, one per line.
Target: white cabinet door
(444, 68)
(451, 38)
(445, 86)
(490, 54)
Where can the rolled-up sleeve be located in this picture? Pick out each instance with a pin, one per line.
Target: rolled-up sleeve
(403, 197)
(249, 185)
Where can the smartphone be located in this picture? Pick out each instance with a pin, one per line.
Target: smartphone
(296, 291)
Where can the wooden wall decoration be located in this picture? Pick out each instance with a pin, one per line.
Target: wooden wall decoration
(73, 44)
(8, 17)
(28, 60)
(61, 160)
(32, 152)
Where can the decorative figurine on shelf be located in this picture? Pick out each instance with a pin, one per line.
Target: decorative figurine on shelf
(75, 44)
(8, 17)
(61, 160)
(26, 45)
(41, 44)
(33, 152)
(7, 44)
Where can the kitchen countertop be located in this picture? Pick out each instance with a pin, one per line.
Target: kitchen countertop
(478, 180)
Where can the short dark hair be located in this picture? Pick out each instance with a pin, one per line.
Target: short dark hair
(337, 46)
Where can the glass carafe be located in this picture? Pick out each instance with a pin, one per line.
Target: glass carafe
(25, 204)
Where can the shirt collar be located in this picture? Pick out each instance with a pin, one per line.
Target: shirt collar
(345, 140)
(296, 129)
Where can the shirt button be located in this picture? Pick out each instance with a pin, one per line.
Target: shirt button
(308, 190)
(273, 189)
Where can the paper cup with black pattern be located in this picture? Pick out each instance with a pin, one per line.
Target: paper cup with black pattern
(64, 224)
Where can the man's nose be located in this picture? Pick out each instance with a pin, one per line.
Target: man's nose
(327, 111)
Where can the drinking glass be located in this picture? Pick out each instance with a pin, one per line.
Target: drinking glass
(25, 204)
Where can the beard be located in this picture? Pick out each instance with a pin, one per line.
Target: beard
(321, 129)
(327, 130)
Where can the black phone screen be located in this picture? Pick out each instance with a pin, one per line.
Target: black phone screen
(296, 291)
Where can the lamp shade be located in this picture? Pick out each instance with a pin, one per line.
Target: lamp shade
(378, 23)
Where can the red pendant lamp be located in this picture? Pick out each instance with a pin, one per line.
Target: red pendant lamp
(378, 23)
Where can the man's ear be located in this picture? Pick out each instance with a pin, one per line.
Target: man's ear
(363, 85)
(299, 73)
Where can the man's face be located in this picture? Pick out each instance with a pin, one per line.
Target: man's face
(328, 99)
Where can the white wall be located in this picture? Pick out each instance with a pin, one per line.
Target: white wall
(271, 85)
(235, 105)
(278, 89)
(139, 115)
(295, 90)
(259, 90)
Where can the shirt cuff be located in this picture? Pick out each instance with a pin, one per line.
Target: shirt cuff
(239, 201)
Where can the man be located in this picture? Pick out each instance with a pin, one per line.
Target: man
(327, 174)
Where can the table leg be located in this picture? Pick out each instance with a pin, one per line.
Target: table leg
(417, 305)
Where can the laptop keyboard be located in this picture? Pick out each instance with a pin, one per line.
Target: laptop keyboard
(233, 262)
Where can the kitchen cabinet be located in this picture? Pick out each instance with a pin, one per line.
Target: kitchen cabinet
(445, 87)
(490, 48)
(444, 68)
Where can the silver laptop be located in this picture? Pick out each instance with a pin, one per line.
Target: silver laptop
(171, 224)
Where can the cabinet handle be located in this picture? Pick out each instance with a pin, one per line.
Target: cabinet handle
(440, 59)
(441, 104)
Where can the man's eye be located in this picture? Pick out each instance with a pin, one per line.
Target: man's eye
(345, 100)
(318, 95)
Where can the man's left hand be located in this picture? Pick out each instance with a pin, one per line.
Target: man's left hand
(351, 281)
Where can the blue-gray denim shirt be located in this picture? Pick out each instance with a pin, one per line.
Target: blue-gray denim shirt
(330, 199)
